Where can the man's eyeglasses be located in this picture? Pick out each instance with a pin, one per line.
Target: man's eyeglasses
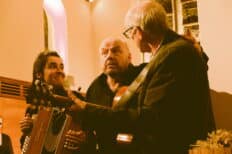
(127, 32)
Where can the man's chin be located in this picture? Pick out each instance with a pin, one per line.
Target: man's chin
(113, 73)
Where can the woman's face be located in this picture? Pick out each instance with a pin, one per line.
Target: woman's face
(53, 72)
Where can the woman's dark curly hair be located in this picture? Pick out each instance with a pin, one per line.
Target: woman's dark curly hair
(40, 63)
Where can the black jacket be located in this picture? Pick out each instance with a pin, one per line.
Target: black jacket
(6, 147)
(108, 126)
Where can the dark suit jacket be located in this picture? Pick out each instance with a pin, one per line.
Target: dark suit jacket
(174, 108)
(6, 147)
(174, 100)
(103, 124)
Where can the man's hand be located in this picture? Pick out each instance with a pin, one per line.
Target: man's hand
(74, 139)
(26, 124)
(78, 104)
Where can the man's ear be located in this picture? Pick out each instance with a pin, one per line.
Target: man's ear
(138, 32)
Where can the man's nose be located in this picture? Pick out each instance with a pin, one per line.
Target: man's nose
(110, 54)
(59, 69)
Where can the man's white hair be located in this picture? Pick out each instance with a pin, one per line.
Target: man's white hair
(149, 15)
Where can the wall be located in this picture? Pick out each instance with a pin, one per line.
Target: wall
(222, 105)
(21, 29)
(82, 57)
(215, 23)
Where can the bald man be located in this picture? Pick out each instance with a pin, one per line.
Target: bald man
(118, 72)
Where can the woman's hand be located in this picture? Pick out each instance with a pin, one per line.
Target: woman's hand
(189, 36)
(74, 139)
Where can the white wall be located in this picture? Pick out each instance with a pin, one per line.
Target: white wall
(215, 22)
(82, 59)
(21, 37)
